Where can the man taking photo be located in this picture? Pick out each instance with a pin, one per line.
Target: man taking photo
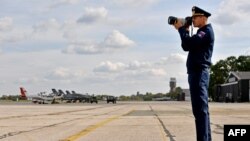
(200, 48)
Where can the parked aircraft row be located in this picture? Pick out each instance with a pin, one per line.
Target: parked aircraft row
(60, 96)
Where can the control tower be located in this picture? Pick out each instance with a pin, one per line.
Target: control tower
(172, 84)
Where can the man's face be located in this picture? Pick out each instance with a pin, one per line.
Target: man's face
(197, 20)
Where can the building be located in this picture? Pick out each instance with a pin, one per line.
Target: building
(182, 96)
(172, 84)
(187, 94)
(235, 89)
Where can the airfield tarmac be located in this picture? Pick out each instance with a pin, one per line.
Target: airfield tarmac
(124, 121)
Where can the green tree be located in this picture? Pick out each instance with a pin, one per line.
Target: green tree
(176, 93)
(220, 71)
(124, 98)
(243, 63)
(148, 97)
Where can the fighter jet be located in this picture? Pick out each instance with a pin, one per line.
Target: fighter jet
(74, 97)
(58, 95)
(40, 98)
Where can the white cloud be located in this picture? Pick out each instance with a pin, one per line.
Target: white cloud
(63, 2)
(81, 47)
(133, 3)
(225, 19)
(51, 24)
(138, 65)
(6, 24)
(12, 38)
(142, 75)
(118, 40)
(132, 71)
(108, 67)
(69, 35)
(230, 18)
(92, 15)
(64, 74)
(173, 59)
(50, 30)
(115, 40)
(231, 12)
(69, 1)
(61, 73)
(158, 72)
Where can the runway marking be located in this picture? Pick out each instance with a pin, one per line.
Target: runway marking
(93, 127)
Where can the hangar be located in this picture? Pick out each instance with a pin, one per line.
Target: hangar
(235, 89)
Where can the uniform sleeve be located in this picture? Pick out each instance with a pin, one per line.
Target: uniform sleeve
(192, 43)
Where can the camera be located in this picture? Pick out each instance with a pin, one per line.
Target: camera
(185, 22)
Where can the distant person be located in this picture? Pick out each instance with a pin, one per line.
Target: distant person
(200, 49)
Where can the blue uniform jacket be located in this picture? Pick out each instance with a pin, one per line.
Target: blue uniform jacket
(200, 47)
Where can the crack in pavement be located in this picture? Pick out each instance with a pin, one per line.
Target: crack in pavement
(168, 133)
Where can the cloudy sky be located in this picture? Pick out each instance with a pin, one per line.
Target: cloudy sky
(113, 47)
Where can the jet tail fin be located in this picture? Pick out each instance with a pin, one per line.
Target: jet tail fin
(61, 92)
(54, 91)
(23, 92)
(67, 92)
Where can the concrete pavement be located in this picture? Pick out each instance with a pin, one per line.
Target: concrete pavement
(124, 121)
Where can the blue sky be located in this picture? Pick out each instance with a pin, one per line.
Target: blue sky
(107, 46)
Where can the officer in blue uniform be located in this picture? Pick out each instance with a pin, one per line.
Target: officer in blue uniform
(200, 49)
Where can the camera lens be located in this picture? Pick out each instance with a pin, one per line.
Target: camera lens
(172, 20)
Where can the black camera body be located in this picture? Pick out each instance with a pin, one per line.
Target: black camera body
(185, 22)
